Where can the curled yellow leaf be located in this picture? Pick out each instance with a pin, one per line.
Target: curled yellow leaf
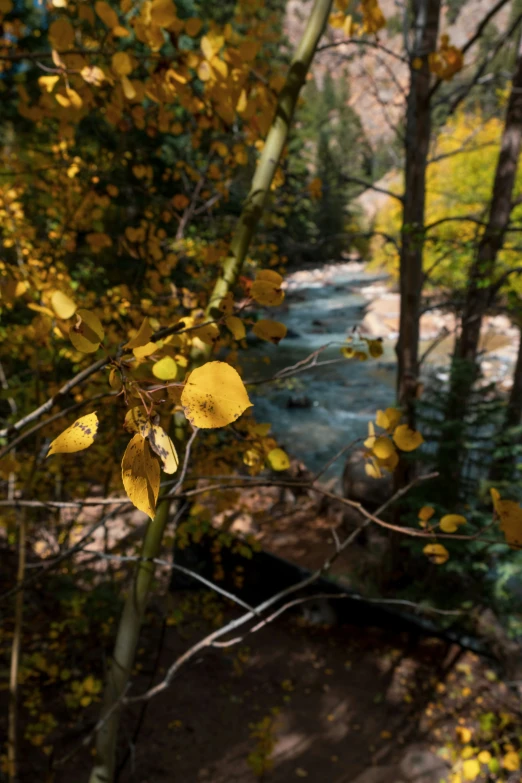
(451, 522)
(407, 439)
(436, 553)
(163, 446)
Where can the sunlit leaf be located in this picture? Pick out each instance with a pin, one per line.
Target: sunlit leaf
(278, 459)
(383, 448)
(407, 439)
(510, 515)
(142, 337)
(136, 420)
(214, 396)
(266, 288)
(63, 306)
(426, 513)
(236, 326)
(471, 769)
(165, 369)
(162, 445)
(77, 437)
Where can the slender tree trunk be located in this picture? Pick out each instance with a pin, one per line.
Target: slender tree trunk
(426, 15)
(135, 605)
(464, 370)
(503, 468)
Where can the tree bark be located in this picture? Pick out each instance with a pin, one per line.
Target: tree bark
(130, 623)
(426, 14)
(465, 368)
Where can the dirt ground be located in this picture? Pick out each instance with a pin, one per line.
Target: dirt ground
(353, 705)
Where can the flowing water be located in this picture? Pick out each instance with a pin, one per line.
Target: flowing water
(341, 397)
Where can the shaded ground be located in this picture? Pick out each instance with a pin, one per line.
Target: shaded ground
(353, 705)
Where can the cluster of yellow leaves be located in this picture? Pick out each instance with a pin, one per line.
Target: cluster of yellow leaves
(382, 449)
(449, 523)
(472, 763)
(447, 60)
(362, 348)
(373, 18)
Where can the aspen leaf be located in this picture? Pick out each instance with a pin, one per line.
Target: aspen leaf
(372, 469)
(140, 473)
(266, 288)
(370, 440)
(40, 309)
(272, 331)
(136, 420)
(74, 98)
(451, 522)
(278, 459)
(484, 756)
(61, 34)
(77, 437)
(464, 734)
(426, 513)
(510, 515)
(388, 419)
(115, 379)
(163, 12)
(253, 458)
(48, 83)
(511, 761)
(163, 446)
(121, 64)
(471, 769)
(236, 326)
(87, 334)
(436, 553)
(165, 369)
(106, 13)
(383, 448)
(407, 439)
(62, 305)
(227, 304)
(214, 396)
(209, 333)
(142, 337)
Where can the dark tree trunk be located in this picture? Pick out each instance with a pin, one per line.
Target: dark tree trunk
(465, 367)
(426, 15)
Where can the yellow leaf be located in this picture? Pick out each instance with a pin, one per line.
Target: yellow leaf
(436, 553)
(236, 326)
(272, 331)
(121, 64)
(63, 100)
(48, 82)
(484, 756)
(388, 419)
(140, 472)
(106, 13)
(77, 437)
(204, 71)
(266, 288)
(510, 515)
(62, 305)
(383, 448)
(115, 379)
(74, 98)
(511, 761)
(426, 513)
(136, 420)
(464, 734)
(87, 334)
(471, 769)
(451, 522)
(262, 429)
(373, 470)
(209, 333)
(40, 309)
(278, 459)
(142, 337)
(162, 445)
(214, 396)
(165, 369)
(163, 12)
(128, 88)
(61, 34)
(407, 439)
